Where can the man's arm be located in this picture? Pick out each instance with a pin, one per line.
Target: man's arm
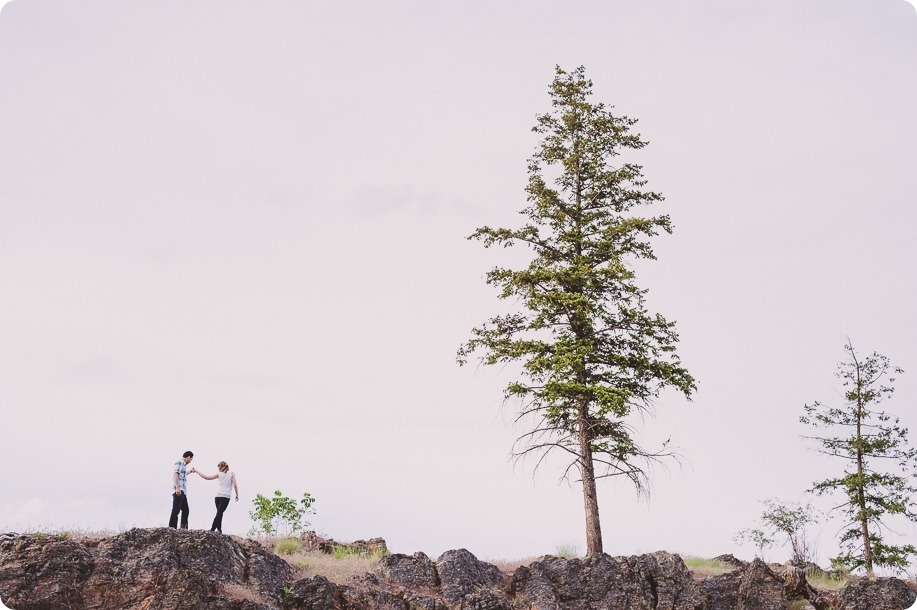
(175, 483)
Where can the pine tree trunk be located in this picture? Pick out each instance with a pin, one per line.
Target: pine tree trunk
(861, 495)
(864, 523)
(590, 497)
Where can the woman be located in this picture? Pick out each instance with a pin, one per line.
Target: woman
(227, 484)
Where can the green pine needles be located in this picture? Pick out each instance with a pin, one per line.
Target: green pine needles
(591, 353)
(880, 468)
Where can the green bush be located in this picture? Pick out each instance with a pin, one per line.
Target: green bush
(280, 516)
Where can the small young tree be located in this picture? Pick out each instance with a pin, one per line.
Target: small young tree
(591, 353)
(880, 467)
(280, 515)
(788, 520)
(757, 537)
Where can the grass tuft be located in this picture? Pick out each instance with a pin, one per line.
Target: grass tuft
(567, 550)
(825, 581)
(340, 552)
(287, 546)
(702, 568)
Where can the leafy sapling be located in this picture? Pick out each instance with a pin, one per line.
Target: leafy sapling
(280, 516)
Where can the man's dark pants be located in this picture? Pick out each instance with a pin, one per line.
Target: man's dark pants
(179, 503)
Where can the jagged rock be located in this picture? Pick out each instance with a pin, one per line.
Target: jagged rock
(167, 569)
(410, 571)
(659, 580)
(722, 590)
(797, 587)
(316, 593)
(730, 560)
(761, 589)
(367, 592)
(313, 542)
(484, 599)
(674, 586)
(153, 569)
(462, 574)
(877, 594)
(425, 602)
(43, 572)
(373, 546)
(263, 569)
(753, 586)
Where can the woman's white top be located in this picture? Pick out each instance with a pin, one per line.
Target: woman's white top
(225, 478)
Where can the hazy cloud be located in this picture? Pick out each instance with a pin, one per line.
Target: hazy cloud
(378, 200)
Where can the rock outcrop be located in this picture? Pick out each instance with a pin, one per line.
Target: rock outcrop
(167, 569)
(659, 581)
(416, 571)
(751, 586)
(467, 582)
(142, 568)
(374, 546)
(878, 594)
(755, 585)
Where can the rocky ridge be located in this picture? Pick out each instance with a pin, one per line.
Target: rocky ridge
(165, 569)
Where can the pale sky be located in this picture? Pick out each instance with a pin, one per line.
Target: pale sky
(239, 229)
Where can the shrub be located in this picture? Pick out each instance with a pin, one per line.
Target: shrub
(280, 515)
(786, 520)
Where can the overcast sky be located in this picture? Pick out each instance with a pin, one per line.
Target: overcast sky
(238, 228)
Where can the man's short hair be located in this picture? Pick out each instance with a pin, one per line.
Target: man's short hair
(188, 454)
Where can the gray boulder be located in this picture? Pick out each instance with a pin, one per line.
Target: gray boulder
(877, 594)
(469, 583)
(410, 571)
(751, 586)
(316, 593)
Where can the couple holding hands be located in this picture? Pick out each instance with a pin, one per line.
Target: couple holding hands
(227, 484)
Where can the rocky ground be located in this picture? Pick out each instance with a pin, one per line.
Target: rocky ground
(165, 569)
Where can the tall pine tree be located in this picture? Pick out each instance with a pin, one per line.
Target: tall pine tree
(591, 353)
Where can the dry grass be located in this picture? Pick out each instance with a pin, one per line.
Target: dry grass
(337, 570)
(508, 566)
(824, 582)
(240, 593)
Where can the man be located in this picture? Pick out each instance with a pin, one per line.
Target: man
(180, 491)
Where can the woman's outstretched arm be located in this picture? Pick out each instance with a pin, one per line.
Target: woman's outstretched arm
(209, 477)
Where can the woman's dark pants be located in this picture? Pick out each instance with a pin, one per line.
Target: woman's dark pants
(221, 503)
